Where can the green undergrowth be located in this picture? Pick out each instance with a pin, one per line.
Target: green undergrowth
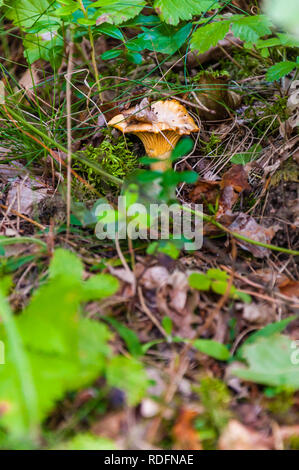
(215, 398)
(115, 157)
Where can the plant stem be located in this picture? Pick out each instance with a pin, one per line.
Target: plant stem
(210, 219)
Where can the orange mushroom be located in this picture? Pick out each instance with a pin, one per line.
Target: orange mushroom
(159, 126)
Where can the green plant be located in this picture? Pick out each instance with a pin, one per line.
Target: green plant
(217, 281)
(51, 348)
(115, 157)
(215, 398)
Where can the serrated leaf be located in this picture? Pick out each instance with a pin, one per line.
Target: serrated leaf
(270, 362)
(277, 71)
(117, 11)
(251, 28)
(25, 13)
(165, 39)
(209, 35)
(172, 11)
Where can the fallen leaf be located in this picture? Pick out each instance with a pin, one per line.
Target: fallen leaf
(245, 225)
(184, 434)
(24, 193)
(238, 437)
(289, 288)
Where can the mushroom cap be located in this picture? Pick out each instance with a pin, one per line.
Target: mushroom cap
(168, 115)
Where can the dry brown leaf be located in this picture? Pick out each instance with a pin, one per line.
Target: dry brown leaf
(238, 437)
(245, 225)
(24, 193)
(184, 434)
(289, 288)
(258, 313)
(111, 426)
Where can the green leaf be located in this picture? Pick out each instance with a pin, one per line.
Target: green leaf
(246, 157)
(208, 36)
(56, 348)
(167, 325)
(217, 274)
(219, 287)
(110, 30)
(212, 348)
(182, 148)
(65, 262)
(128, 375)
(86, 441)
(117, 11)
(25, 13)
(129, 336)
(199, 281)
(134, 57)
(266, 332)
(172, 11)
(99, 287)
(251, 28)
(165, 39)
(271, 361)
(279, 70)
(112, 54)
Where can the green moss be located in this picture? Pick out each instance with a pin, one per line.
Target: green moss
(266, 117)
(115, 157)
(215, 398)
(212, 146)
(249, 65)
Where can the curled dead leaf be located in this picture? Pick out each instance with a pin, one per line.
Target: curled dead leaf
(245, 225)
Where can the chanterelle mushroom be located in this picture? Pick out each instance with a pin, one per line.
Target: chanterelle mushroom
(159, 126)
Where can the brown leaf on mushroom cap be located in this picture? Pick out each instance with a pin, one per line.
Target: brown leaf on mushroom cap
(168, 115)
(159, 126)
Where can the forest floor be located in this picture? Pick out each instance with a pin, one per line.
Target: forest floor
(168, 298)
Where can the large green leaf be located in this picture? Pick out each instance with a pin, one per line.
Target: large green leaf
(251, 28)
(172, 11)
(271, 362)
(117, 11)
(60, 350)
(26, 13)
(279, 70)
(165, 39)
(209, 35)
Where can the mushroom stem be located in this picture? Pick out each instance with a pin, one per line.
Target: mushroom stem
(164, 164)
